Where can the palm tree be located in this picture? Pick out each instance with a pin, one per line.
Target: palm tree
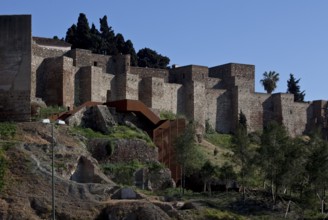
(269, 81)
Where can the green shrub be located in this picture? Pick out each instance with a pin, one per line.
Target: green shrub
(155, 166)
(176, 192)
(167, 115)
(222, 140)
(208, 127)
(7, 130)
(48, 111)
(122, 173)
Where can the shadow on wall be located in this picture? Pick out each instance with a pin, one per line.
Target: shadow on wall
(40, 86)
(268, 111)
(224, 113)
(180, 101)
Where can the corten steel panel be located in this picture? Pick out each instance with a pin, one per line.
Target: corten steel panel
(134, 106)
(163, 135)
(64, 115)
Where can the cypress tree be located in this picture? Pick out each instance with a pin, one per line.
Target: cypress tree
(294, 88)
(129, 49)
(107, 36)
(70, 36)
(83, 35)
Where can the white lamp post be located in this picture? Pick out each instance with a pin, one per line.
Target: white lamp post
(59, 122)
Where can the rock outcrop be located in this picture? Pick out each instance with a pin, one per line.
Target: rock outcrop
(122, 150)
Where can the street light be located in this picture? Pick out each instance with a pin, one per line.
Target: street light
(58, 122)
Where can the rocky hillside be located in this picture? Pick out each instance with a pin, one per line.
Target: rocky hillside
(83, 191)
(85, 188)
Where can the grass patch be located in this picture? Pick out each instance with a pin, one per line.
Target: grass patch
(221, 140)
(176, 193)
(125, 132)
(7, 130)
(48, 111)
(215, 214)
(5, 145)
(117, 132)
(88, 132)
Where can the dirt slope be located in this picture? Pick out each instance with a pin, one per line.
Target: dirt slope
(27, 193)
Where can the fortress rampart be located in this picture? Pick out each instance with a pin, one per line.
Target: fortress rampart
(32, 68)
(15, 67)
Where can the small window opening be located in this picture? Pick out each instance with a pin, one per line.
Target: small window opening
(95, 63)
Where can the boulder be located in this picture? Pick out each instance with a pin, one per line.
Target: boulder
(133, 211)
(126, 193)
(99, 118)
(102, 119)
(154, 179)
(87, 172)
(161, 179)
(77, 118)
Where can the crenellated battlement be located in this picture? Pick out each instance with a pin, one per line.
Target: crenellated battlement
(43, 68)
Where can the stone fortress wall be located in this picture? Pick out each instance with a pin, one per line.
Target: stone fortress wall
(15, 67)
(66, 77)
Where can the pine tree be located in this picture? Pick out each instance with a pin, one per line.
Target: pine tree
(241, 154)
(108, 37)
(274, 143)
(294, 88)
(129, 49)
(208, 173)
(188, 154)
(82, 34)
(70, 36)
(95, 39)
(150, 58)
(105, 42)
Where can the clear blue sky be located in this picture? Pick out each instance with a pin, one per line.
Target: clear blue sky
(286, 36)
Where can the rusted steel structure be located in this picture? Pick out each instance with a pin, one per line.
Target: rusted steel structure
(64, 115)
(162, 132)
(164, 136)
(136, 106)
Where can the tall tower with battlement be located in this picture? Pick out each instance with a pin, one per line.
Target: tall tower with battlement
(15, 67)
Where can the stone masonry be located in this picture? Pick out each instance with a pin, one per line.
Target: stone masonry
(15, 67)
(33, 68)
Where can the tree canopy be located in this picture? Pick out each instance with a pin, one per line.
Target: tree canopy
(105, 41)
(150, 58)
(294, 88)
(274, 153)
(269, 81)
(188, 154)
